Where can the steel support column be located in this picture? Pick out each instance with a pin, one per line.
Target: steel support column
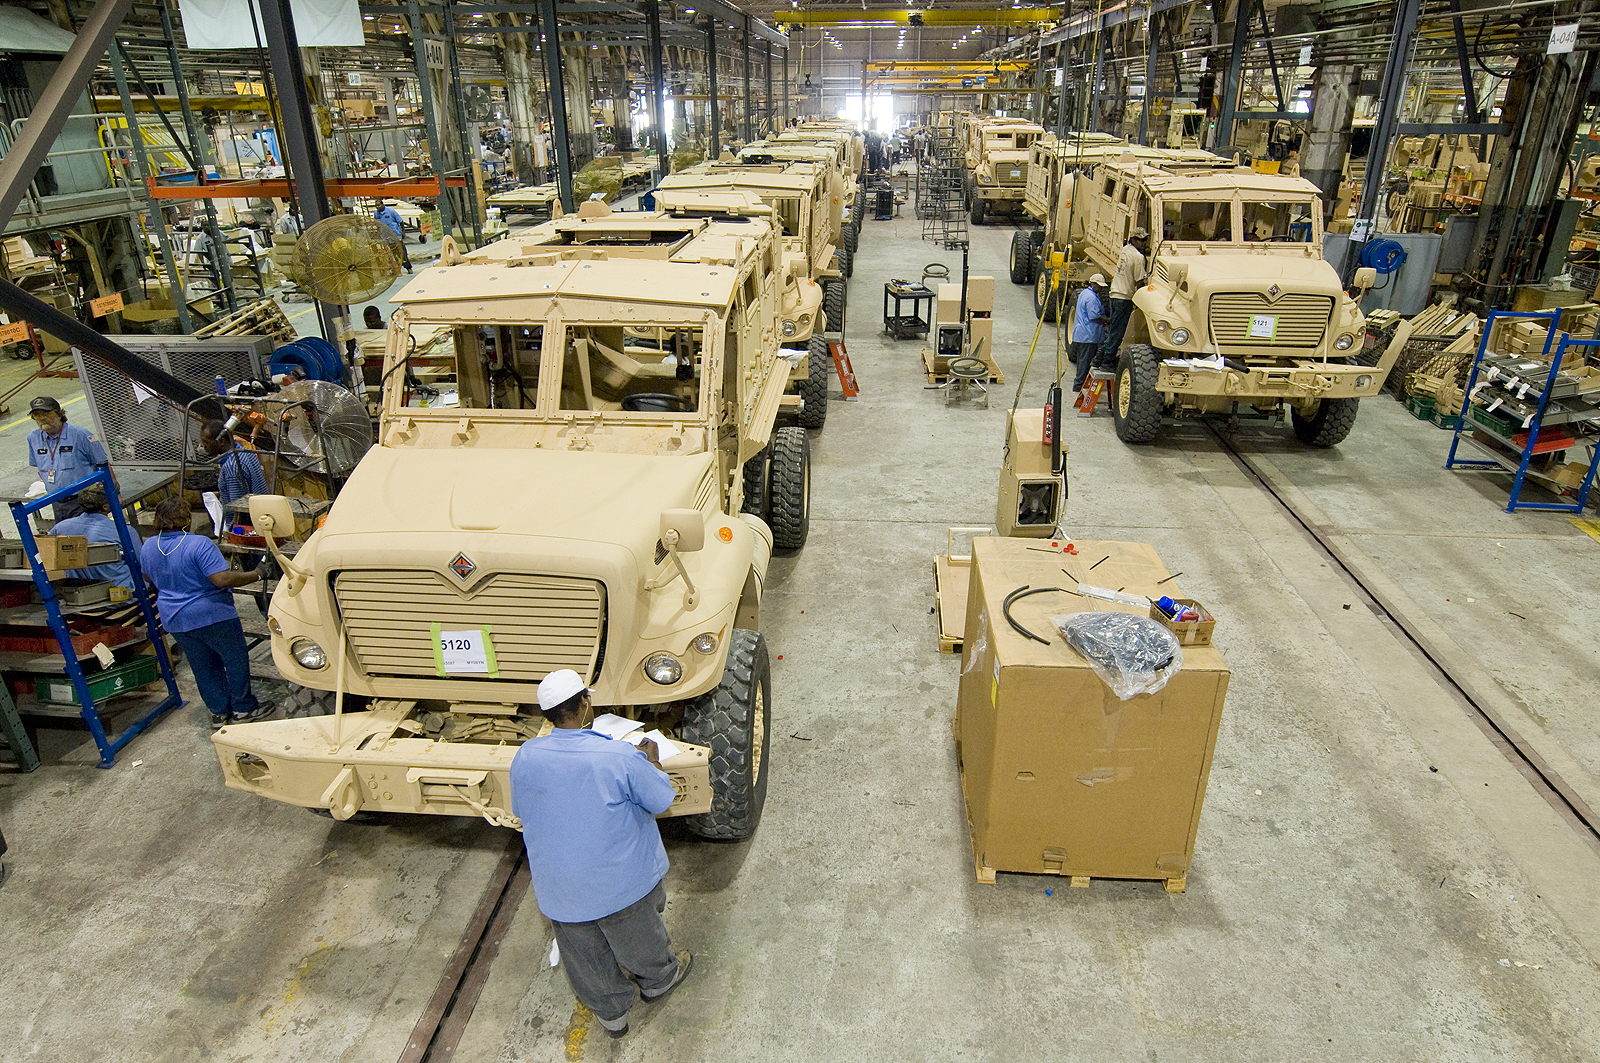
(1390, 103)
(294, 111)
(658, 88)
(745, 68)
(786, 85)
(430, 119)
(1149, 78)
(470, 155)
(49, 115)
(767, 69)
(197, 144)
(1231, 88)
(180, 299)
(558, 101)
(711, 70)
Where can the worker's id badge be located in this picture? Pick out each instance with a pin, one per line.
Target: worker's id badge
(50, 477)
(467, 651)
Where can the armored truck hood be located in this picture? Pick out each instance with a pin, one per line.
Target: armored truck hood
(585, 496)
(1243, 270)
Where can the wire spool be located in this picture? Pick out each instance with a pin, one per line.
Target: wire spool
(1385, 256)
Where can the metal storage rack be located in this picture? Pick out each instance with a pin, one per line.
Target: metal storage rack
(1518, 407)
(942, 192)
(72, 661)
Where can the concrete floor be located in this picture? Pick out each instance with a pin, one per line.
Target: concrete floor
(1372, 880)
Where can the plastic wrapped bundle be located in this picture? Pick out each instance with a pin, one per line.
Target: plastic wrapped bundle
(1133, 654)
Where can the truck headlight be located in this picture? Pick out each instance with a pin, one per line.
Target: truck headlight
(1180, 336)
(308, 654)
(663, 668)
(274, 627)
(789, 328)
(705, 643)
(1344, 341)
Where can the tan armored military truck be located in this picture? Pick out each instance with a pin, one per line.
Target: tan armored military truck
(843, 188)
(1240, 314)
(813, 289)
(1053, 167)
(997, 165)
(569, 488)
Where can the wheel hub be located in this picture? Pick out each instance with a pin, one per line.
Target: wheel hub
(758, 732)
(1124, 387)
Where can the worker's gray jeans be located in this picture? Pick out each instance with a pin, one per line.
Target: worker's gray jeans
(600, 955)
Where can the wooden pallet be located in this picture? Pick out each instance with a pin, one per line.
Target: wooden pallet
(930, 364)
(950, 582)
(1175, 884)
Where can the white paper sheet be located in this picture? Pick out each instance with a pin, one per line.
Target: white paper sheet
(213, 506)
(613, 726)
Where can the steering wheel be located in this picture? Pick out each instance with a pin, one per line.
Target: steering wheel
(657, 402)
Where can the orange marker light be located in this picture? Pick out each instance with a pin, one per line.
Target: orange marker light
(726, 535)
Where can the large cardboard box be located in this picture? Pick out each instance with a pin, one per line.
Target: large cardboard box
(63, 551)
(1060, 776)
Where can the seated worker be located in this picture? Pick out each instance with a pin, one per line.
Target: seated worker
(238, 472)
(373, 317)
(96, 525)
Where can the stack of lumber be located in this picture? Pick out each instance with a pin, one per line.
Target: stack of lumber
(1439, 353)
(261, 318)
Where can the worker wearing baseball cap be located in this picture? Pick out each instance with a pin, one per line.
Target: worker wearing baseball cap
(1130, 275)
(588, 806)
(1088, 328)
(96, 525)
(62, 453)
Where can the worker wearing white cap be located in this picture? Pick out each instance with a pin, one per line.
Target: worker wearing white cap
(1088, 328)
(588, 806)
(1131, 272)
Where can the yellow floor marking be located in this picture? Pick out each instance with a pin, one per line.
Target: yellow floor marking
(29, 419)
(577, 1032)
(1587, 526)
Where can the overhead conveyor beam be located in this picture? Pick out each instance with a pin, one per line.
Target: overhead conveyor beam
(282, 188)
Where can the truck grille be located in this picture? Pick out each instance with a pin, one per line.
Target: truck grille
(539, 623)
(1011, 173)
(1301, 319)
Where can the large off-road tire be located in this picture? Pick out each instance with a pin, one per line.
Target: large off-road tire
(852, 237)
(734, 721)
(813, 390)
(1328, 425)
(843, 261)
(1045, 300)
(978, 206)
(302, 701)
(1135, 403)
(833, 304)
(1021, 257)
(757, 485)
(790, 490)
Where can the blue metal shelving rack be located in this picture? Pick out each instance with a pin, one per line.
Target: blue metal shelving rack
(1554, 354)
(21, 511)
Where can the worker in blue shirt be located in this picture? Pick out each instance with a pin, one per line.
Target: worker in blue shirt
(96, 525)
(194, 595)
(238, 471)
(391, 217)
(588, 806)
(1089, 317)
(62, 453)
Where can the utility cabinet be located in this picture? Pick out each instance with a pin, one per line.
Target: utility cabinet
(1059, 775)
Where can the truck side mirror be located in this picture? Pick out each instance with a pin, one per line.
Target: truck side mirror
(274, 512)
(1366, 277)
(689, 527)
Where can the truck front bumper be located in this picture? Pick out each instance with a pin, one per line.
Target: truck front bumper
(1300, 382)
(370, 762)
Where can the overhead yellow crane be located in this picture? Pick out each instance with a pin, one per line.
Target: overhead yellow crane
(850, 16)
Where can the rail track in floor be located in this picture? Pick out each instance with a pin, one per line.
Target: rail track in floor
(1533, 767)
(444, 1020)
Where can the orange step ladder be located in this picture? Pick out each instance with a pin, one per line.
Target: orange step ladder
(1099, 384)
(842, 366)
